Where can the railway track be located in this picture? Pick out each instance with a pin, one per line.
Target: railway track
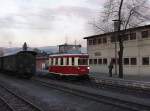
(134, 88)
(5, 106)
(122, 101)
(14, 102)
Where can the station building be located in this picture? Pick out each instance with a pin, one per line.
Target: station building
(136, 56)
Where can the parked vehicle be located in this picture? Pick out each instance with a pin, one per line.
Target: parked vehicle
(21, 64)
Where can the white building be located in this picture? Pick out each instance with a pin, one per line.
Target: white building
(136, 56)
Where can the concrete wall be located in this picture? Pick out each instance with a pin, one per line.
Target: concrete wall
(132, 48)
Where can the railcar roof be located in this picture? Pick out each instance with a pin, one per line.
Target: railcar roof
(58, 55)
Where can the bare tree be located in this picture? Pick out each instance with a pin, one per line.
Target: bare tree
(120, 42)
(129, 14)
(133, 14)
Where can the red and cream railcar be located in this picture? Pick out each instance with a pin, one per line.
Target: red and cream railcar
(69, 64)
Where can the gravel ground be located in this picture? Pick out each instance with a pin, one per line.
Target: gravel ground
(52, 99)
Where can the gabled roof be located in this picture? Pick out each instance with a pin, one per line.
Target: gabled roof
(109, 33)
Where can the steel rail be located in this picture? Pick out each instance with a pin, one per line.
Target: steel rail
(96, 96)
(26, 102)
(6, 104)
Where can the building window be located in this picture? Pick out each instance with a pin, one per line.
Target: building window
(145, 60)
(114, 60)
(104, 61)
(94, 41)
(133, 61)
(99, 41)
(125, 37)
(90, 61)
(132, 36)
(126, 61)
(144, 34)
(99, 61)
(114, 39)
(104, 40)
(90, 42)
(95, 61)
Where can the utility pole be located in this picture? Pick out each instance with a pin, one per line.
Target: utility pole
(116, 23)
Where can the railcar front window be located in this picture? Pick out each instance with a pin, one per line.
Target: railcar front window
(83, 61)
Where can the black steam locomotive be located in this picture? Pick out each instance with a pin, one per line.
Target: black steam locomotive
(21, 64)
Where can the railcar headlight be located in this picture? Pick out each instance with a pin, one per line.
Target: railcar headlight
(88, 67)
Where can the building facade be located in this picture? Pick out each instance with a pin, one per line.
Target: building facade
(104, 48)
(41, 63)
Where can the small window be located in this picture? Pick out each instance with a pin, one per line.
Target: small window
(99, 41)
(90, 61)
(125, 37)
(126, 61)
(114, 38)
(95, 61)
(51, 61)
(132, 36)
(99, 61)
(113, 60)
(61, 61)
(94, 41)
(104, 40)
(144, 34)
(56, 61)
(72, 60)
(104, 61)
(133, 61)
(90, 42)
(145, 60)
(67, 63)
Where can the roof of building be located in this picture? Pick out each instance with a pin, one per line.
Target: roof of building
(65, 44)
(109, 33)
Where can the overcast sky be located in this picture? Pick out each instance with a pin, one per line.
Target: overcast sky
(46, 22)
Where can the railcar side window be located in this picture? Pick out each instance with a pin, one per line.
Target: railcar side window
(51, 61)
(72, 60)
(61, 61)
(67, 63)
(56, 61)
